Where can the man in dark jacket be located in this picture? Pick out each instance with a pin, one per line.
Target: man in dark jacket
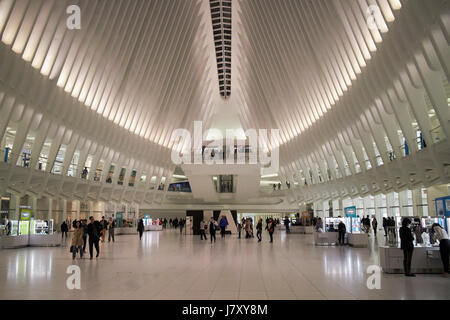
(407, 245)
(342, 231)
(286, 224)
(85, 233)
(94, 232)
(64, 229)
(212, 230)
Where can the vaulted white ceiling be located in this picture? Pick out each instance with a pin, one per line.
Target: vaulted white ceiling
(347, 82)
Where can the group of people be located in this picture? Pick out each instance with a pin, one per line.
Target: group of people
(365, 225)
(388, 222)
(407, 245)
(212, 227)
(247, 224)
(178, 224)
(175, 223)
(88, 233)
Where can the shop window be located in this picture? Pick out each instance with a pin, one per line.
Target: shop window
(132, 178)
(73, 164)
(85, 174)
(153, 182)
(378, 155)
(8, 142)
(57, 165)
(355, 161)
(110, 174)
(24, 159)
(346, 165)
(43, 155)
(99, 171)
(437, 133)
(121, 176)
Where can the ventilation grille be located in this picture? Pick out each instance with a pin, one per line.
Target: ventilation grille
(221, 22)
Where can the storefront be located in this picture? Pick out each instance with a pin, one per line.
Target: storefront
(28, 231)
(354, 235)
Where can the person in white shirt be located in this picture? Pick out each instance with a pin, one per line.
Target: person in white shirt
(444, 246)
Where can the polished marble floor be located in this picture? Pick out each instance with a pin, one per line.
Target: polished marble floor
(166, 265)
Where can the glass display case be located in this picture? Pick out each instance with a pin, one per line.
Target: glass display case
(14, 228)
(427, 222)
(41, 227)
(356, 225)
(24, 228)
(331, 224)
(147, 220)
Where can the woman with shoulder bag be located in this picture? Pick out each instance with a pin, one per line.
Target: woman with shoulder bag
(77, 241)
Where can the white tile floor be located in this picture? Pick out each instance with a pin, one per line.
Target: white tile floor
(165, 265)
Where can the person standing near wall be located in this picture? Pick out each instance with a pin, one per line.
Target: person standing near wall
(407, 245)
(140, 228)
(271, 229)
(239, 229)
(223, 225)
(444, 246)
(111, 227)
(64, 230)
(182, 222)
(212, 229)
(286, 224)
(342, 231)
(203, 228)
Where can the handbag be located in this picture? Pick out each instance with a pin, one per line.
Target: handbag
(71, 249)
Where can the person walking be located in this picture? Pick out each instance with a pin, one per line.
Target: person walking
(247, 228)
(319, 225)
(374, 226)
(181, 225)
(407, 245)
(104, 225)
(77, 240)
(342, 230)
(111, 228)
(223, 225)
(84, 173)
(259, 228)
(64, 230)
(239, 229)
(212, 229)
(203, 228)
(271, 229)
(286, 224)
(385, 222)
(94, 232)
(85, 233)
(367, 224)
(8, 227)
(444, 246)
(140, 228)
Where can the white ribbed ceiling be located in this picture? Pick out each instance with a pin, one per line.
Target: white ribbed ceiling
(145, 65)
(298, 58)
(140, 64)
